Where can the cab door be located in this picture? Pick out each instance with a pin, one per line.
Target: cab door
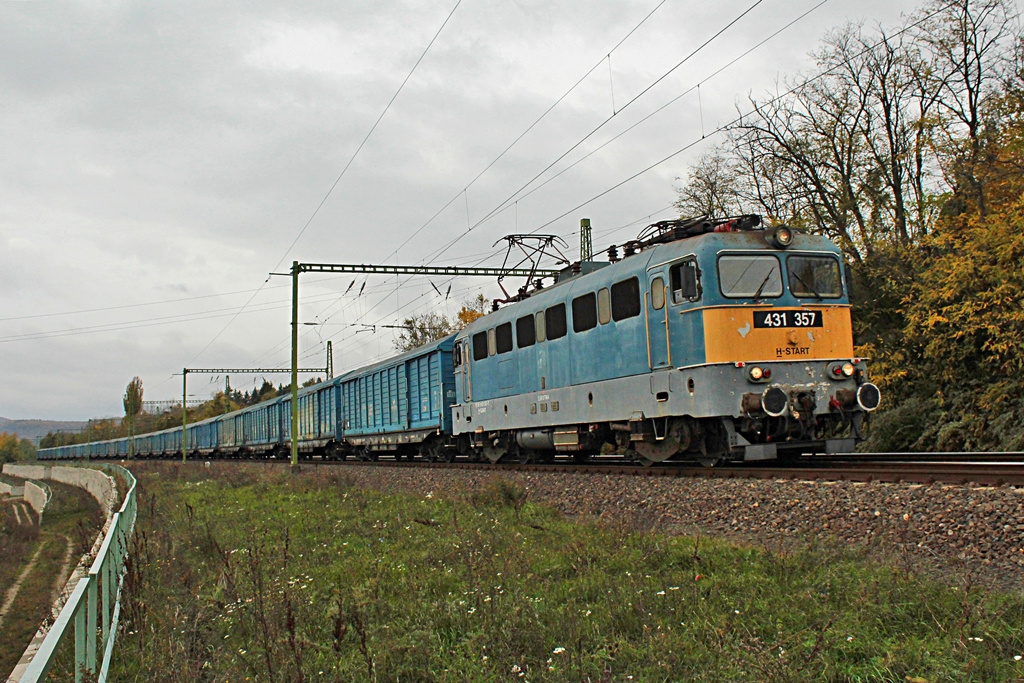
(656, 311)
(460, 359)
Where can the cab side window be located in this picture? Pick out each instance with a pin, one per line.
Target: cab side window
(526, 334)
(626, 299)
(479, 346)
(685, 281)
(584, 313)
(503, 337)
(555, 321)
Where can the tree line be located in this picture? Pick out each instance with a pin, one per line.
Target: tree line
(906, 147)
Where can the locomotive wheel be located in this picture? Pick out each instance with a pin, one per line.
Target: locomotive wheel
(676, 439)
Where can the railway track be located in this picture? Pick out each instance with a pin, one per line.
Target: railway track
(983, 469)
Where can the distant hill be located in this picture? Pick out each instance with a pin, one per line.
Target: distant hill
(36, 429)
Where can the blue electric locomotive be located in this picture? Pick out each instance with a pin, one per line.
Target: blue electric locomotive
(709, 341)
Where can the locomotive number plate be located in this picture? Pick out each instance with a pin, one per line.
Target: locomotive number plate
(779, 318)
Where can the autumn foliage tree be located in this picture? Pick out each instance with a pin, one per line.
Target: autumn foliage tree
(132, 407)
(422, 329)
(13, 449)
(965, 315)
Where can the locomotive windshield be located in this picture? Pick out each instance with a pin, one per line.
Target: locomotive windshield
(814, 276)
(750, 275)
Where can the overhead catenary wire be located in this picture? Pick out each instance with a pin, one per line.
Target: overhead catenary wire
(150, 322)
(336, 181)
(586, 137)
(529, 128)
(729, 124)
(672, 101)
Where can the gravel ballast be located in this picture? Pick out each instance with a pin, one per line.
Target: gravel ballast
(962, 534)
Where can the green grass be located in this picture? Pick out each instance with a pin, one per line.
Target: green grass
(266, 576)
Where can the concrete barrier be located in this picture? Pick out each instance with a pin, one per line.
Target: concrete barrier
(27, 471)
(37, 497)
(11, 490)
(99, 485)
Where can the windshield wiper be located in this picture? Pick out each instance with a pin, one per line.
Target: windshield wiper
(757, 294)
(813, 290)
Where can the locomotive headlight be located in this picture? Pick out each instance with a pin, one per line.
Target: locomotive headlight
(779, 236)
(848, 369)
(758, 374)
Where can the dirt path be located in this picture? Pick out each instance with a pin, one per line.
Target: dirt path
(65, 569)
(17, 513)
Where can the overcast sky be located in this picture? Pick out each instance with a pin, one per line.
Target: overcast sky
(159, 159)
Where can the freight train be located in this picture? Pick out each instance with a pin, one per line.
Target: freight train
(706, 341)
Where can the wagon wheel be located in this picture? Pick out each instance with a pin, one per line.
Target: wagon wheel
(331, 452)
(436, 451)
(426, 451)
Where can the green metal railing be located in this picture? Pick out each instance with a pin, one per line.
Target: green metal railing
(95, 604)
